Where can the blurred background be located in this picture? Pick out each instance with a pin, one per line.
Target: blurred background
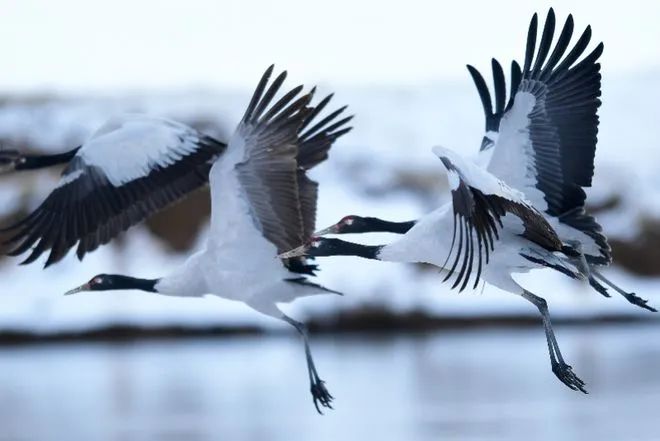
(405, 358)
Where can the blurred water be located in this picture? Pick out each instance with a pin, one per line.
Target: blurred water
(474, 385)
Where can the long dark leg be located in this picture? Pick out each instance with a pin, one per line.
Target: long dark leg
(561, 369)
(317, 386)
(630, 296)
(594, 276)
(580, 262)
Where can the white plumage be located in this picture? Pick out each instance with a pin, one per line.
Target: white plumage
(130, 146)
(523, 205)
(477, 177)
(262, 201)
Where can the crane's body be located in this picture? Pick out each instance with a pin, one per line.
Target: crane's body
(430, 238)
(522, 206)
(262, 201)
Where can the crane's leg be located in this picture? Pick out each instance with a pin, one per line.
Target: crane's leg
(594, 276)
(630, 296)
(585, 270)
(561, 369)
(320, 394)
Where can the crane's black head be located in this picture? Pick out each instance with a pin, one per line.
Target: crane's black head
(107, 282)
(358, 224)
(350, 224)
(324, 246)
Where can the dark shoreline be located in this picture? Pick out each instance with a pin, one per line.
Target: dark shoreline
(362, 322)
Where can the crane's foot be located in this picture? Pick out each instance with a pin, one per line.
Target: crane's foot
(320, 395)
(638, 301)
(566, 375)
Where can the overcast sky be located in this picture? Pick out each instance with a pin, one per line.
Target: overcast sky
(92, 47)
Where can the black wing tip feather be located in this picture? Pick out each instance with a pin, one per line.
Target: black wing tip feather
(561, 45)
(260, 100)
(561, 76)
(256, 96)
(316, 141)
(280, 131)
(550, 15)
(570, 85)
(546, 41)
(89, 211)
(493, 115)
(484, 95)
(499, 84)
(531, 41)
(477, 217)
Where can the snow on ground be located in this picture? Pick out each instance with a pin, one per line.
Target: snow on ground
(394, 131)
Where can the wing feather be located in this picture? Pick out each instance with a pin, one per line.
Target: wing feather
(545, 140)
(278, 149)
(92, 205)
(480, 201)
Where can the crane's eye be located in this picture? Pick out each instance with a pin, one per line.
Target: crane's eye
(315, 242)
(97, 280)
(348, 220)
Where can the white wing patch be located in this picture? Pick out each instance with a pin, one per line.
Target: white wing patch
(129, 147)
(514, 161)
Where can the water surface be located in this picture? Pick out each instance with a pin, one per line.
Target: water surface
(468, 385)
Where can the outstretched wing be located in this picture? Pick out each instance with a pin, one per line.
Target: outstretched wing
(130, 168)
(543, 141)
(314, 142)
(493, 115)
(480, 201)
(280, 144)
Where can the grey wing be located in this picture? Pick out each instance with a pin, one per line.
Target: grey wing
(278, 151)
(314, 142)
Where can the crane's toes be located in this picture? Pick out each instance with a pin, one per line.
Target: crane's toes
(566, 375)
(636, 300)
(321, 395)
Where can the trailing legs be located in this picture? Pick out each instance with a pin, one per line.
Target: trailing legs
(319, 392)
(561, 369)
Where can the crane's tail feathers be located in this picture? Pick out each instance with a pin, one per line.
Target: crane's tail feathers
(630, 296)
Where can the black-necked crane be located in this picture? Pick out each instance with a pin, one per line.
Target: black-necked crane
(521, 206)
(262, 201)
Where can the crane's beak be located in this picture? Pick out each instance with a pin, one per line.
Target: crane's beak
(84, 287)
(296, 252)
(333, 229)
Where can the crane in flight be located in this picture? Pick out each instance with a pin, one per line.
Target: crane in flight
(521, 206)
(262, 201)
